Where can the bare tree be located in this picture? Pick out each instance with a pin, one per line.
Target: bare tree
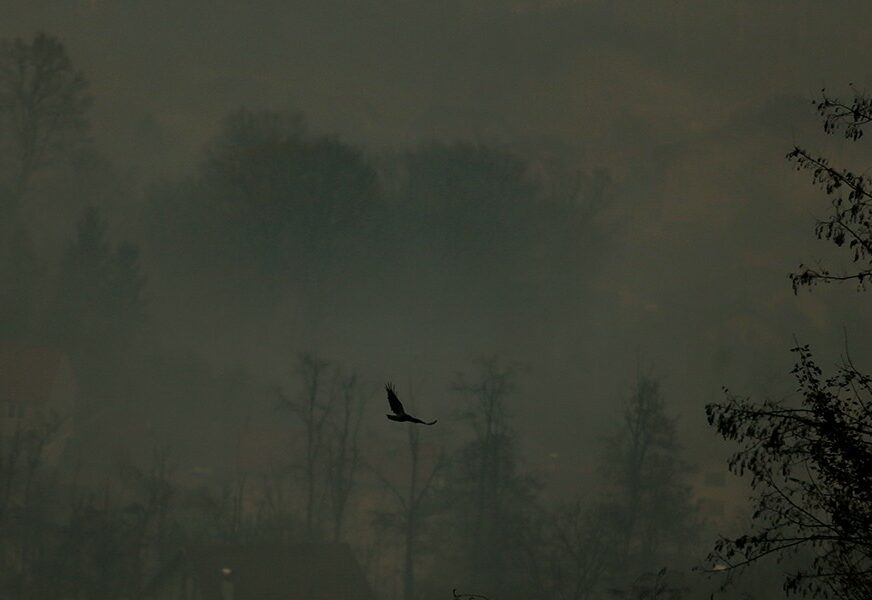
(490, 496)
(312, 410)
(343, 449)
(653, 504)
(22, 510)
(151, 493)
(43, 104)
(108, 544)
(411, 512)
(577, 550)
(21, 457)
(235, 489)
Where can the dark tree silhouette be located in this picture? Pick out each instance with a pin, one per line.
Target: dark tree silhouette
(412, 508)
(18, 273)
(43, 104)
(99, 304)
(285, 197)
(577, 548)
(273, 207)
(25, 499)
(850, 221)
(491, 498)
(343, 448)
(312, 409)
(811, 468)
(810, 461)
(652, 507)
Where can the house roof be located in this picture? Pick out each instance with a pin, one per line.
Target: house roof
(28, 373)
(272, 571)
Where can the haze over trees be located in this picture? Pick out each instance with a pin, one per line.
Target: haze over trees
(414, 506)
(653, 508)
(230, 321)
(43, 111)
(492, 498)
(44, 103)
(275, 211)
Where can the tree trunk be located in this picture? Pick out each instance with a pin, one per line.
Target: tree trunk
(411, 519)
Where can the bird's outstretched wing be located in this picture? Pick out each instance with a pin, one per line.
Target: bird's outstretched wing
(396, 405)
(400, 413)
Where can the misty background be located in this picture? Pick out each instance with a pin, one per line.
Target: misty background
(591, 191)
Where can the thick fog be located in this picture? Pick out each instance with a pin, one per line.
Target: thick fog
(592, 191)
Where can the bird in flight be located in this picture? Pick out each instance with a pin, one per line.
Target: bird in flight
(397, 408)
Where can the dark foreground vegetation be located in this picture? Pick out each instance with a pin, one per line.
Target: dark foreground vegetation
(810, 460)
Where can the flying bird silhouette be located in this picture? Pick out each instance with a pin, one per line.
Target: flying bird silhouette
(399, 412)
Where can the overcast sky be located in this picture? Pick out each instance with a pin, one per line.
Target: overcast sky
(689, 105)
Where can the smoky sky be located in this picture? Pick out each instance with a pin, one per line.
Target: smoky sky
(689, 107)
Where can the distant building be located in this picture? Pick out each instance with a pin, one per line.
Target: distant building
(261, 571)
(36, 381)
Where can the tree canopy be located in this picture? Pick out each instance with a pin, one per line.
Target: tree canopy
(810, 457)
